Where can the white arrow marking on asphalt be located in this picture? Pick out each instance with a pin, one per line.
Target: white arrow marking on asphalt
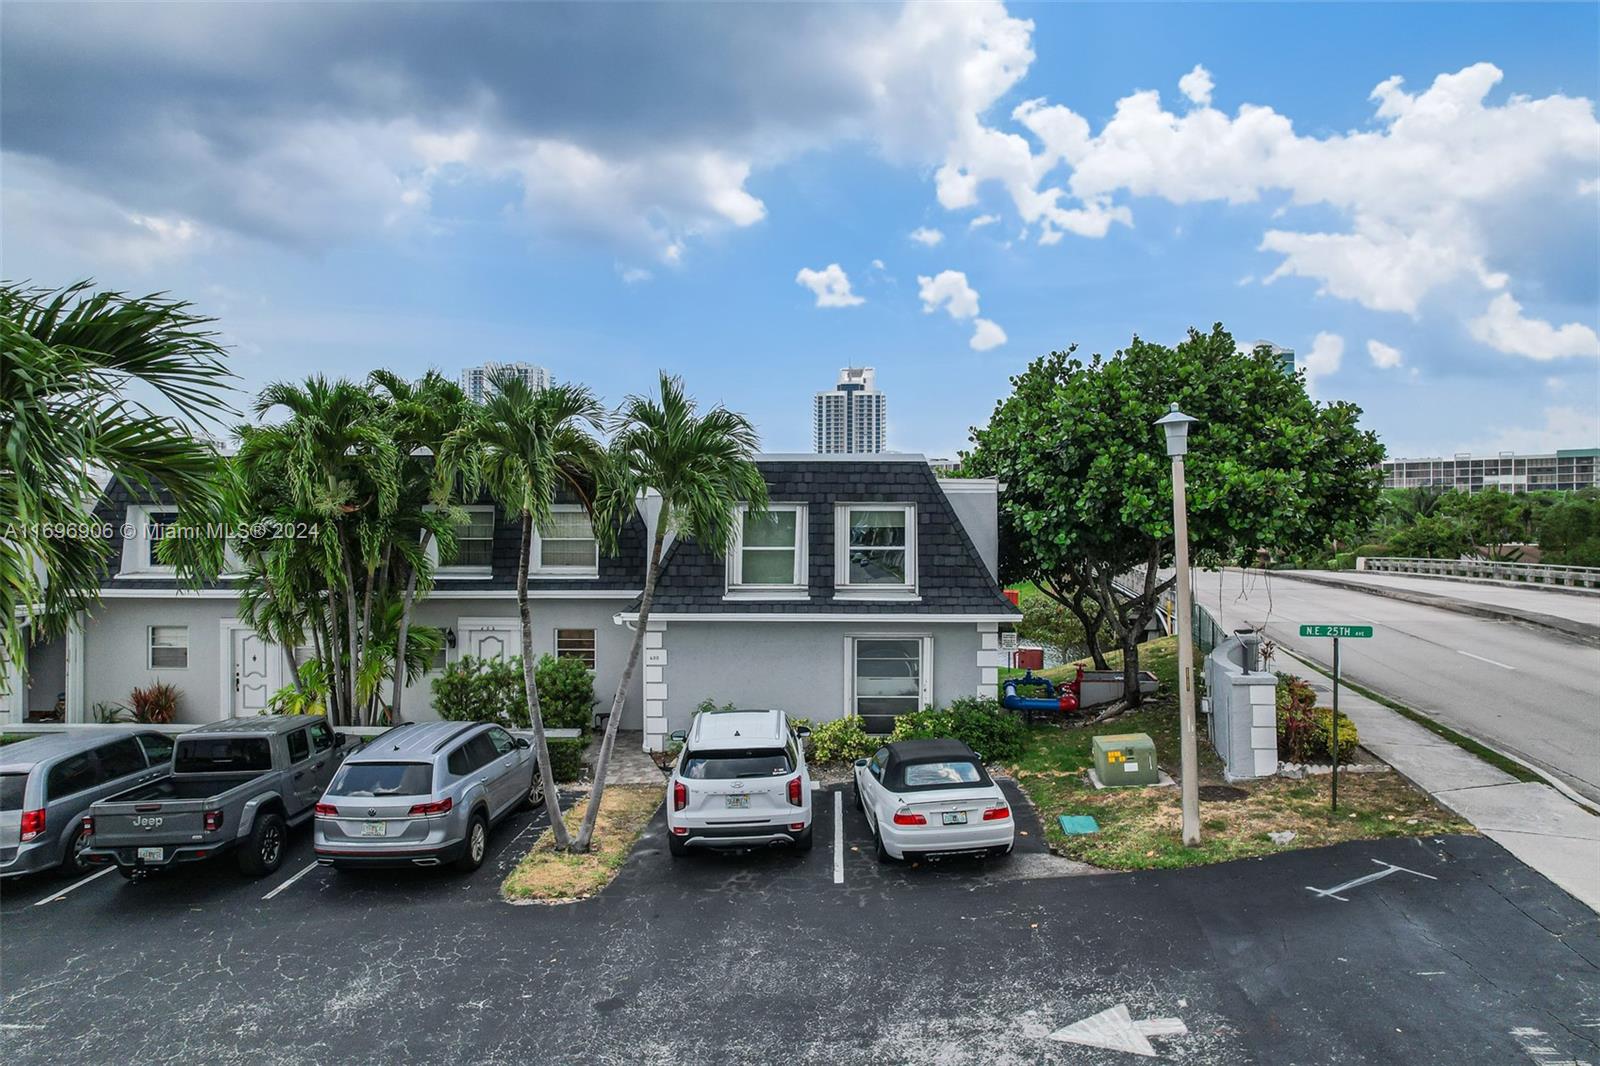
(1116, 1030)
(1388, 868)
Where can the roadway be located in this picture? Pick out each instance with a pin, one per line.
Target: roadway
(1528, 691)
(1574, 604)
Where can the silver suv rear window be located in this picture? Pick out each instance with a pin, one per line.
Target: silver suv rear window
(735, 762)
(12, 787)
(383, 779)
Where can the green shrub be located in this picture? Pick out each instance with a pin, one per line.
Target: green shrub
(1343, 561)
(1373, 551)
(1349, 738)
(841, 740)
(978, 721)
(1305, 731)
(566, 693)
(709, 704)
(482, 690)
(566, 757)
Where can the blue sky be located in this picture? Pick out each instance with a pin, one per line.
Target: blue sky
(612, 190)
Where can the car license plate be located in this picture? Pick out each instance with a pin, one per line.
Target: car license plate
(955, 817)
(738, 801)
(374, 829)
(152, 855)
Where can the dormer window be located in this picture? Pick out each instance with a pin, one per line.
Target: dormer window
(876, 548)
(567, 546)
(474, 549)
(769, 553)
(143, 530)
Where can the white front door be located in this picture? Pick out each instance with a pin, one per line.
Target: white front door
(253, 667)
(490, 638)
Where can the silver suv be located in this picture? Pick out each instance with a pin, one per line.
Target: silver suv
(740, 782)
(423, 794)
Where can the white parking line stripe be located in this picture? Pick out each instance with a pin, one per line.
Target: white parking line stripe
(292, 880)
(838, 838)
(1481, 659)
(75, 886)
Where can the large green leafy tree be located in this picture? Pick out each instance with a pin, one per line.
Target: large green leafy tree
(1088, 494)
(524, 446)
(702, 469)
(72, 363)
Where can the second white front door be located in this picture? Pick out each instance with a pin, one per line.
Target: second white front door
(253, 667)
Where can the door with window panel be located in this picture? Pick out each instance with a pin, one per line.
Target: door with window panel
(889, 680)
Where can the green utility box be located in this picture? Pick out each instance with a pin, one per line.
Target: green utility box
(1125, 759)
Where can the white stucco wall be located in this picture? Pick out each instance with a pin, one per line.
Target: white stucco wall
(800, 667)
(115, 649)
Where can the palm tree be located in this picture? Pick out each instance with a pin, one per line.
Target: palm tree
(703, 469)
(70, 358)
(341, 465)
(524, 445)
(423, 414)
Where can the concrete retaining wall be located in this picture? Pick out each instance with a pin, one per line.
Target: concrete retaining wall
(1243, 722)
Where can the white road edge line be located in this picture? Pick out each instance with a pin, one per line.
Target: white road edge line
(838, 837)
(1482, 659)
(311, 866)
(75, 886)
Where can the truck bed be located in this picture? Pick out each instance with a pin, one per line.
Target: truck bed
(184, 787)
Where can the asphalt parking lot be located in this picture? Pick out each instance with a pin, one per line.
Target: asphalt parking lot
(1462, 955)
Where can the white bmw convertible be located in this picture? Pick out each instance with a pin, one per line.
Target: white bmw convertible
(932, 797)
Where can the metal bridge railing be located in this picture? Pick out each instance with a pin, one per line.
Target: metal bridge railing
(1524, 573)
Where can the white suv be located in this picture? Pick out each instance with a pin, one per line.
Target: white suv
(740, 782)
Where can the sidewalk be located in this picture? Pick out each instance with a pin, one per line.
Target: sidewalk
(1533, 821)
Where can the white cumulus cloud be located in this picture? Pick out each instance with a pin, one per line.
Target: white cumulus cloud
(1384, 356)
(1327, 352)
(986, 335)
(949, 289)
(926, 236)
(983, 220)
(1504, 328)
(1197, 85)
(831, 285)
(1564, 427)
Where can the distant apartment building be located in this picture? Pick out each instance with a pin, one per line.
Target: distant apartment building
(1285, 355)
(477, 381)
(851, 418)
(1567, 469)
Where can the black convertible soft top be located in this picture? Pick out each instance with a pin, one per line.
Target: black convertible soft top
(910, 752)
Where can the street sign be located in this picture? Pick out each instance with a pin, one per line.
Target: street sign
(1336, 631)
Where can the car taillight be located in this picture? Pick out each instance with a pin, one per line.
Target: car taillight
(441, 807)
(909, 818)
(680, 795)
(32, 824)
(994, 814)
(328, 810)
(794, 792)
(213, 821)
(88, 825)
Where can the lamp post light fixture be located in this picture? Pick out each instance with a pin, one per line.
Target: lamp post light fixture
(1176, 426)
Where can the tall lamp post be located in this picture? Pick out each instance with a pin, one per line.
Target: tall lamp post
(1176, 426)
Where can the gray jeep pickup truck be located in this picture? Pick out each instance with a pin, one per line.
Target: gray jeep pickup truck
(236, 786)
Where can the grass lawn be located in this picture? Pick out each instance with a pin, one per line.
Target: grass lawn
(1140, 828)
(547, 874)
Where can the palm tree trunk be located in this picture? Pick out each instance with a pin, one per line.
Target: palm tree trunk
(369, 709)
(603, 761)
(351, 635)
(541, 747)
(405, 630)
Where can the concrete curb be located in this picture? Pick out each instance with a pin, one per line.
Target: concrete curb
(1581, 631)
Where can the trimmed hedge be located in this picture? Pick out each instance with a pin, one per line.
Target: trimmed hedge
(566, 758)
(841, 740)
(977, 721)
(491, 690)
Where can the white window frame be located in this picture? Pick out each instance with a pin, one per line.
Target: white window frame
(150, 647)
(841, 554)
(536, 549)
(924, 666)
(799, 588)
(447, 573)
(555, 643)
(137, 545)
